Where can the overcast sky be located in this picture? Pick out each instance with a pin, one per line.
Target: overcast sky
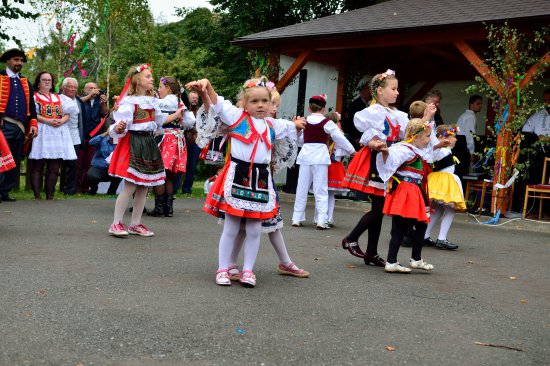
(32, 32)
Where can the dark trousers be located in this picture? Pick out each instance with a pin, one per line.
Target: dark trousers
(193, 152)
(69, 181)
(96, 175)
(399, 227)
(15, 138)
(85, 156)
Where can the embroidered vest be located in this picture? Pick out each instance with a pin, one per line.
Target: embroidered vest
(244, 130)
(391, 130)
(315, 133)
(143, 115)
(6, 98)
(416, 165)
(49, 108)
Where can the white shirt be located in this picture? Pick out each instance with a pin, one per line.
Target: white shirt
(439, 154)
(370, 121)
(398, 154)
(11, 74)
(538, 123)
(70, 107)
(317, 153)
(125, 112)
(467, 125)
(229, 114)
(170, 104)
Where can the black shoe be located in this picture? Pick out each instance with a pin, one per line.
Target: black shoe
(428, 242)
(169, 205)
(159, 207)
(8, 199)
(374, 259)
(407, 242)
(445, 244)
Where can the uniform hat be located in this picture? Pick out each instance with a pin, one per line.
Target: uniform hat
(14, 52)
(320, 100)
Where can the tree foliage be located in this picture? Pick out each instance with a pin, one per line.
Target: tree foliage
(11, 10)
(510, 57)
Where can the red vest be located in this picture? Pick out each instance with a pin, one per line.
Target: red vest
(315, 134)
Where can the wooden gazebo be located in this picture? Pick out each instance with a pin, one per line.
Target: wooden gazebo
(426, 41)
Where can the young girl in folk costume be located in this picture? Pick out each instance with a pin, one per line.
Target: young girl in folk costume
(245, 189)
(445, 190)
(172, 146)
(284, 155)
(137, 157)
(381, 126)
(403, 168)
(336, 170)
(6, 158)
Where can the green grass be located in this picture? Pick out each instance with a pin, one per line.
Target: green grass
(27, 195)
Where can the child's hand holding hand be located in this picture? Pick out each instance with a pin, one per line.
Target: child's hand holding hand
(299, 122)
(200, 86)
(120, 127)
(429, 112)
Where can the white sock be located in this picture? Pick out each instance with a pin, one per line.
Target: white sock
(446, 222)
(122, 201)
(139, 204)
(227, 240)
(251, 243)
(434, 218)
(278, 242)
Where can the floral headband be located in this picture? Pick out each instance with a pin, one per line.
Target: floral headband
(163, 80)
(270, 85)
(451, 131)
(381, 78)
(140, 68)
(427, 125)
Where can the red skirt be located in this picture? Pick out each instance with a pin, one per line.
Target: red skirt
(407, 201)
(358, 173)
(120, 164)
(6, 158)
(173, 151)
(216, 204)
(336, 174)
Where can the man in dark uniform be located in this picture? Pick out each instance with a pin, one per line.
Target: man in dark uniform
(17, 114)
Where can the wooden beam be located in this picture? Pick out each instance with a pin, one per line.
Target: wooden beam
(478, 63)
(293, 70)
(428, 85)
(543, 62)
(436, 50)
(340, 89)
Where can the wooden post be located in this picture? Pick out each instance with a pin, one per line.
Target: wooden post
(293, 70)
(340, 89)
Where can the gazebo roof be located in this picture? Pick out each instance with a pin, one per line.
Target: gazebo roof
(404, 15)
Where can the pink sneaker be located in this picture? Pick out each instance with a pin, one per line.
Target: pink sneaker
(118, 229)
(140, 229)
(292, 270)
(222, 277)
(234, 274)
(248, 279)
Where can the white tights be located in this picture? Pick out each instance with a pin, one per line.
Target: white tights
(228, 241)
(275, 238)
(448, 214)
(123, 199)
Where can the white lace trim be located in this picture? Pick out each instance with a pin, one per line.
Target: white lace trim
(243, 204)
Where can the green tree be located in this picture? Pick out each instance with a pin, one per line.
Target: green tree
(11, 10)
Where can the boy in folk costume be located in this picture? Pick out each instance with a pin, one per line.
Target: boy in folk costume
(314, 160)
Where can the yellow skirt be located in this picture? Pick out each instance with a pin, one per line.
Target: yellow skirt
(446, 188)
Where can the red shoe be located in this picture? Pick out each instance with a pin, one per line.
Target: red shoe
(374, 259)
(248, 279)
(140, 229)
(353, 248)
(119, 230)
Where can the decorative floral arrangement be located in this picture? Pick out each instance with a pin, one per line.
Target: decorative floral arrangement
(140, 68)
(451, 131)
(270, 85)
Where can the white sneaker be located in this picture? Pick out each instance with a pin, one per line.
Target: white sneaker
(420, 265)
(323, 226)
(396, 268)
(222, 277)
(296, 223)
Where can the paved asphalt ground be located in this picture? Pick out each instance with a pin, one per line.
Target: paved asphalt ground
(73, 295)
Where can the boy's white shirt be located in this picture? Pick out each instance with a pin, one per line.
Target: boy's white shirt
(317, 153)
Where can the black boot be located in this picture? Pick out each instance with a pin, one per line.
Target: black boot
(169, 205)
(159, 204)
